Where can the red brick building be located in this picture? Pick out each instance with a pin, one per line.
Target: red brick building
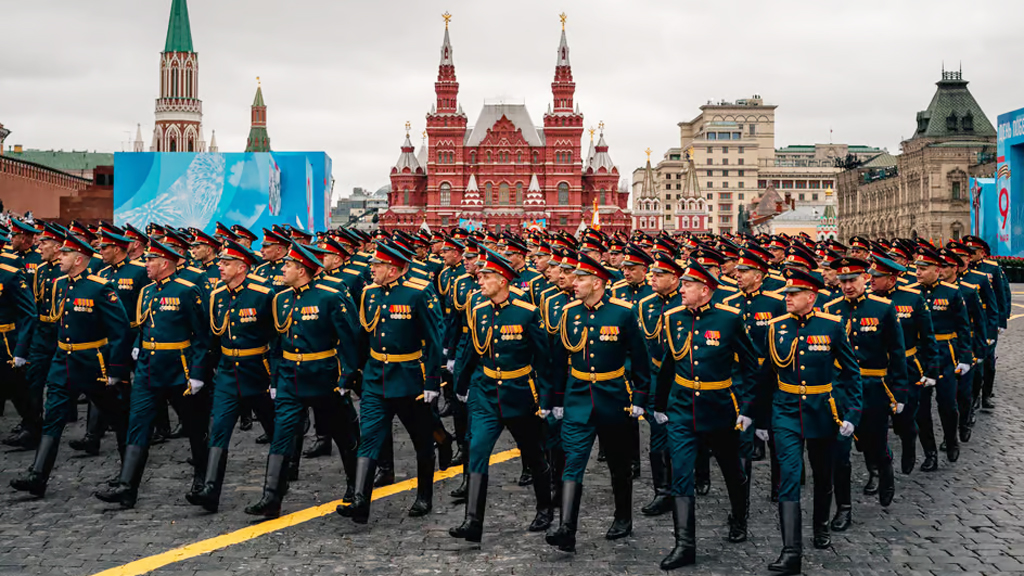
(504, 172)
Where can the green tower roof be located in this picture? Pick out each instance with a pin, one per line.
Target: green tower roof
(179, 32)
(259, 97)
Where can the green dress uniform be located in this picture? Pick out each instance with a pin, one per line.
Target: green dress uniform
(272, 271)
(982, 322)
(1001, 287)
(18, 322)
(44, 336)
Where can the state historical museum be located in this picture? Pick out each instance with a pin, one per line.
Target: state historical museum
(504, 172)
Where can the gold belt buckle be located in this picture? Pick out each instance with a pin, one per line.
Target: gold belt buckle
(696, 385)
(299, 355)
(385, 358)
(593, 377)
(803, 390)
(498, 370)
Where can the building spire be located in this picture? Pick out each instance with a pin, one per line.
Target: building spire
(259, 140)
(179, 31)
(563, 88)
(138, 146)
(447, 87)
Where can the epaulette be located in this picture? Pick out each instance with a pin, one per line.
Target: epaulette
(462, 276)
(780, 318)
(827, 304)
(727, 308)
(728, 280)
(8, 255)
(350, 271)
(8, 268)
(418, 280)
(414, 285)
(674, 310)
(990, 261)
(97, 279)
(363, 264)
(774, 295)
(570, 305)
(516, 291)
(969, 285)
(137, 263)
(881, 299)
(327, 288)
(524, 305)
(908, 289)
(828, 316)
(483, 305)
(331, 279)
(948, 285)
(619, 284)
(256, 278)
(185, 282)
(727, 288)
(648, 297)
(197, 270)
(624, 303)
(219, 290)
(912, 285)
(257, 287)
(737, 295)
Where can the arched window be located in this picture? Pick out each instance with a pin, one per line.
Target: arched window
(446, 194)
(174, 82)
(519, 157)
(488, 189)
(503, 194)
(440, 157)
(563, 194)
(569, 160)
(643, 222)
(684, 222)
(173, 145)
(603, 200)
(536, 157)
(405, 196)
(488, 156)
(191, 144)
(188, 83)
(472, 157)
(519, 194)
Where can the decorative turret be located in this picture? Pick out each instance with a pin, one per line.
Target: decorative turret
(563, 88)
(647, 204)
(534, 195)
(137, 145)
(179, 111)
(259, 140)
(471, 198)
(407, 161)
(601, 158)
(213, 143)
(447, 87)
(828, 223)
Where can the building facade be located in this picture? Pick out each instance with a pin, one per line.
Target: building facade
(504, 172)
(922, 192)
(359, 209)
(179, 111)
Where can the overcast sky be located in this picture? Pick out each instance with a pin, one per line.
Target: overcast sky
(344, 77)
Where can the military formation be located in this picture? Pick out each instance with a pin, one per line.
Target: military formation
(737, 347)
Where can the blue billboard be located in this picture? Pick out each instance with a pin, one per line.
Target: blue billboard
(197, 190)
(1002, 217)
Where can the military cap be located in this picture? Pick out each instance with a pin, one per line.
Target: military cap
(109, 238)
(472, 248)
(20, 227)
(134, 234)
(751, 260)
(901, 250)
(925, 256)
(777, 243)
(4, 239)
(592, 245)
(664, 263)
(273, 237)
(513, 244)
(52, 232)
(798, 280)
(332, 246)
(242, 232)
(589, 266)
(158, 249)
(830, 256)
(958, 248)
(696, 272)
(976, 243)
(497, 264)
(299, 235)
(176, 240)
(233, 250)
(74, 243)
(222, 231)
(616, 246)
(302, 254)
(728, 249)
(200, 237)
(635, 256)
(708, 257)
(388, 253)
(569, 259)
(452, 243)
(950, 258)
(543, 247)
(797, 255)
(490, 238)
(860, 242)
(459, 233)
(848, 267)
(885, 267)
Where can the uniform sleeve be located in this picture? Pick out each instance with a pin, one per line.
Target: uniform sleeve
(640, 360)
(199, 320)
(927, 347)
(896, 373)
(559, 364)
(765, 384)
(748, 367)
(993, 314)
(343, 317)
(428, 317)
(118, 330)
(979, 323)
(1003, 297)
(962, 343)
(662, 384)
(537, 335)
(26, 317)
(469, 360)
(847, 389)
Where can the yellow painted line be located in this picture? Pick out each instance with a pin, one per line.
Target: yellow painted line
(1015, 316)
(151, 563)
(1015, 304)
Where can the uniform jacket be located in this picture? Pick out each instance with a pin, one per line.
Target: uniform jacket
(949, 319)
(918, 334)
(86, 311)
(242, 323)
(17, 313)
(174, 333)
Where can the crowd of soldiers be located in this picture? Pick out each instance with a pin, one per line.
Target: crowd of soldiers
(739, 347)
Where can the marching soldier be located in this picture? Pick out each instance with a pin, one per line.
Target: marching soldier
(597, 397)
(809, 389)
(401, 322)
(17, 324)
(241, 319)
(204, 250)
(877, 339)
(273, 251)
(92, 334)
(510, 355)
(702, 403)
(982, 262)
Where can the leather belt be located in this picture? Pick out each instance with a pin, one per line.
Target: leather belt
(5, 328)
(309, 357)
(697, 385)
(48, 319)
(243, 352)
(507, 374)
(166, 345)
(804, 390)
(911, 351)
(83, 346)
(944, 337)
(598, 376)
(656, 362)
(877, 372)
(388, 358)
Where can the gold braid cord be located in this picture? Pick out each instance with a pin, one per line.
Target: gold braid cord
(480, 349)
(283, 328)
(684, 350)
(564, 329)
(370, 325)
(218, 330)
(780, 362)
(650, 334)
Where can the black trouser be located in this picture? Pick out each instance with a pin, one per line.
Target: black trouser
(14, 387)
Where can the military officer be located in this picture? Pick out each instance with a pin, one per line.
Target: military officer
(510, 353)
(241, 319)
(701, 401)
(204, 251)
(877, 339)
(94, 350)
(596, 397)
(953, 335)
(401, 322)
(919, 343)
(22, 253)
(17, 324)
(982, 262)
(808, 390)
(273, 251)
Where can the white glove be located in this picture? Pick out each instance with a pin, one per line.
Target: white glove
(635, 411)
(341, 391)
(444, 352)
(429, 396)
(744, 422)
(659, 417)
(761, 434)
(928, 382)
(19, 362)
(990, 341)
(194, 386)
(558, 412)
(1001, 330)
(899, 407)
(135, 353)
(273, 393)
(450, 366)
(464, 398)
(962, 368)
(112, 381)
(846, 429)
(544, 413)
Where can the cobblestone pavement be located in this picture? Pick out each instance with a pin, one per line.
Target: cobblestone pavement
(964, 518)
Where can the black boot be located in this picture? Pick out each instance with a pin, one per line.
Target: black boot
(133, 464)
(739, 500)
(245, 422)
(296, 458)
(461, 455)
(545, 505)
(263, 438)
(886, 482)
(39, 474)
(526, 477)
(844, 504)
(359, 510)
(462, 492)
(702, 472)
(908, 457)
(759, 450)
(274, 487)
(792, 549)
(953, 449)
(684, 523)
(661, 473)
(96, 426)
(424, 488)
(821, 512)
(321, 447)
(871, 488)
(931, 462)
(557, 460)
(348, 463)
(564, 537)
(622, 492)
(385, 475)
(209, 495)
(472, 528)
(987, 404)
(445, 449)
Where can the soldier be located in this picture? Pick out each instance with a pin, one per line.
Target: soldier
(982, 262)
(17, 324)
(697, 395)
(598, 333)
(953, 335)
(137, 247)
(314, 359)
(92, 334)
(510, 354)
(273, 251)
(241, 319)
(22, 244)
(808, 389)
(877, 339)
(204, 250)
(401, 322)
(919, 343)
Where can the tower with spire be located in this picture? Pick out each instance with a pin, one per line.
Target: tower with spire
(828, 223)
(647, 204)
(179, 111)
(691, 210)
(258, 140)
